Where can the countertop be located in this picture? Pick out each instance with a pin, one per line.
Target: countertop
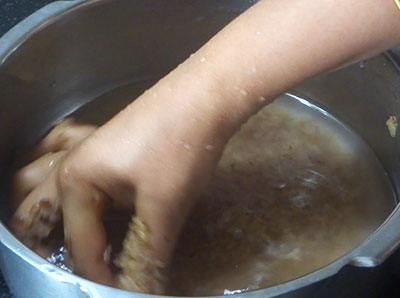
(379, 282)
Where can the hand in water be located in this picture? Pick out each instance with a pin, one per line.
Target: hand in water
(137, 161)
(156, 155)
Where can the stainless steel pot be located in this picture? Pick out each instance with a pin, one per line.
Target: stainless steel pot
(70, 51)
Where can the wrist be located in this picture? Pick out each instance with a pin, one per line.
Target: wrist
(195, 97)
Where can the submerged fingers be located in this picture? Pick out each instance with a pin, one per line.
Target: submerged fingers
(84, 231)
(38, 214)
(64, 136)
(32, 175)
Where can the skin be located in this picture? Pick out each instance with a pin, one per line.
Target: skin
(157, 154)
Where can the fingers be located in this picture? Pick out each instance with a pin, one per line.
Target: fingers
(38, 214)
(29, 177)
(63, 136)
(84, 231)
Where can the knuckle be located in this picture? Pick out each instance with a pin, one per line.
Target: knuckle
(77, 185)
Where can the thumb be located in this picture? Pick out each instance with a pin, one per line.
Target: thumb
(84, 231)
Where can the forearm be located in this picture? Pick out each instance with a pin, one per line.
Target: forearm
(277, 44)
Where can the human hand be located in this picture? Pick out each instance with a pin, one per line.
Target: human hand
(140, 160)
(158, 153)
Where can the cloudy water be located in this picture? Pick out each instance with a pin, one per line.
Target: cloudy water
(294, 190)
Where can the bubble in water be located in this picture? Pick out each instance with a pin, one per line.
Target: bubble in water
(58, 258)
(237, 233)
(311, 182)
(281, 186)
(299, 201)
(295, 254)
(229, 292)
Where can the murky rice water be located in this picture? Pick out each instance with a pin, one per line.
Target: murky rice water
(294, 190)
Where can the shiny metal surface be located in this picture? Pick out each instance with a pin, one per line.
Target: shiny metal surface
(71, 51)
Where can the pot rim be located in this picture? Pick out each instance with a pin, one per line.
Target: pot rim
(371, 252)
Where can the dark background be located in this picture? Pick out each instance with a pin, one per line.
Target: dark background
(13, 11)
(379, 282)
